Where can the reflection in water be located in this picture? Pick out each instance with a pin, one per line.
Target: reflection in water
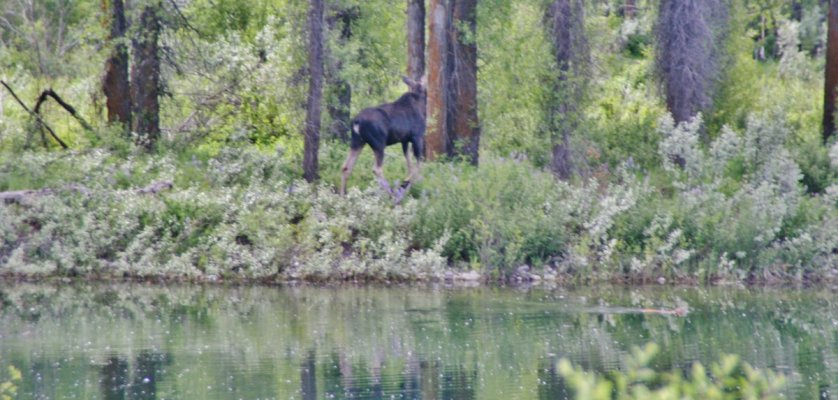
(308, 377)
(132, 342)
(115, 376)
(458, 383)
(418, 380)
(551, 386)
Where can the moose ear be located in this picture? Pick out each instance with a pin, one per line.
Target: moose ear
(424, 81)
(409, 82)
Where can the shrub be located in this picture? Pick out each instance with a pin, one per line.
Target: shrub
(8, 389)
(730, 378)
(504, 214)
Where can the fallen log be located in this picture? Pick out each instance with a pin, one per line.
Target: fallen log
(16, 196)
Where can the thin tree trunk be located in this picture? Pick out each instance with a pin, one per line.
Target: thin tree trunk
(438, 58)
(415, 39)
(339, 109)
(566, 26)
(145, 77)
(561, 163)
(466, 126)
(340, 101)
(629, 9)
(831, 72)
(115, 84)
(315, 90)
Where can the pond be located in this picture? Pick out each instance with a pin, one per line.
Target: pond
(133, 341)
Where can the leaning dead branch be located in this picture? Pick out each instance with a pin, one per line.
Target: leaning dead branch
(38, 119)
(50, 93)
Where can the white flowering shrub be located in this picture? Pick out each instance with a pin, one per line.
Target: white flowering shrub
(736, 208)
(679, 148)
(733, 209)
(793, 63)
(240, 221)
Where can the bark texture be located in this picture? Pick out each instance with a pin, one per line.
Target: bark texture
(466, 126)
(415, 39)
(453, 125)
(689, 55)
(565, 20)
(315, 90)
(831, 72)
(145, 77)
(436, 139)
(115, 85)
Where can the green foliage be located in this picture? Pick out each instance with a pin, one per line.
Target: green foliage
(221, 17)
(513, 80)
(754, 199)
(729, 378)
(737, 210)
(503, 214)
(236, 218)
(8, 388)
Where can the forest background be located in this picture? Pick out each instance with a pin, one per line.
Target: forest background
(569, 140)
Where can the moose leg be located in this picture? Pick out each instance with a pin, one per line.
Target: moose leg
(347, 168)
(419, 153)
(409, 165)
(379, 161)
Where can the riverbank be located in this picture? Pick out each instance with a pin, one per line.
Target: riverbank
(240, 214)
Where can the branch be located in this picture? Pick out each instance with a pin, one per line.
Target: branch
(183, 17)
(50, 93)
(36, 116)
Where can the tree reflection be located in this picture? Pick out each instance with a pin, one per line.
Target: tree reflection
(551, 386)
(418, 380)
(147, 373)
(308, 377)
(114, 378)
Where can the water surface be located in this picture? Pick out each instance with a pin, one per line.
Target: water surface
(133, 341)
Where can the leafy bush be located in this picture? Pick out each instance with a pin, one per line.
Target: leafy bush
(8, 389)
(732, 209)
(503, 214)
(238, 218)
(730, 378)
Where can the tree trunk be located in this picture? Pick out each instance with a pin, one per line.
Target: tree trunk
(629, 9)
(340, 100)
(689, 54)
(565, 20)
(115, 84)
(315, 89)
(145, 78)
(561, 163)
(438, 94)
(466, 126)
(339, 108)
(796, 10)
(831, 72)
(415, 39)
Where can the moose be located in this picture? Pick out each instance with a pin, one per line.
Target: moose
(402, 121)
